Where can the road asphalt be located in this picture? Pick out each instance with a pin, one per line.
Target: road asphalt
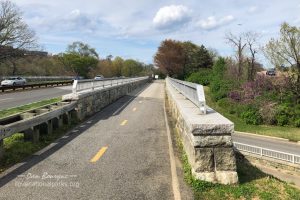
(269, 143)
(120, 153)
(9, 100)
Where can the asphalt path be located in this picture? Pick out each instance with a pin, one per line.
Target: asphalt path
(9, 100)
(120, 153)
(269, 143)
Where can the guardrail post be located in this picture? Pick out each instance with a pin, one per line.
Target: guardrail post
(74, 88)
(293, 159)
(201, 99)
(93, 86)
(261, 154)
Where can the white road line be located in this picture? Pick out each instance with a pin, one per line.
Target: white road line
(6, 99)
(175, 183)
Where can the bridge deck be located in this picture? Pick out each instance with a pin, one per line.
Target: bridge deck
(120, 153)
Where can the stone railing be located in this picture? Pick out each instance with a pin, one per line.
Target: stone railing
(206, 139)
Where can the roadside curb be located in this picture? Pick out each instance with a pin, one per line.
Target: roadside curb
(266, 136)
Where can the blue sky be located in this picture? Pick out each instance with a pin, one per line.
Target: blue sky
(135, 28)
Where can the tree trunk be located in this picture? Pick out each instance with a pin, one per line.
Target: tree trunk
(14, 69)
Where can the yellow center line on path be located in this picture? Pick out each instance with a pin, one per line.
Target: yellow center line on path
(134, 109)
(124, 122)
(98, 155)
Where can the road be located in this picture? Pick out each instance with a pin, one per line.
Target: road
(269, 143)
(8, 100)
(120, 153)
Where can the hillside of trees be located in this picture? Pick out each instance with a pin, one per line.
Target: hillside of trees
(78, 60)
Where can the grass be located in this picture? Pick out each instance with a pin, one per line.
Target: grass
(17, 149)
(11, 111)
(253, 183)
(291, 133)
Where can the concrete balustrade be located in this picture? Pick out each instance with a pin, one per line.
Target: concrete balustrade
(206, 139)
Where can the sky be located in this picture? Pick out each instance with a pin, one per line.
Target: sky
(135, 28)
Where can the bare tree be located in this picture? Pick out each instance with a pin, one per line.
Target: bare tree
(15, 35)
(239, 44)
(251, 39)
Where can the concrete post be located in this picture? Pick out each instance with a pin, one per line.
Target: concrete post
(67, 118)
(32, 134)
(50, 127)
(1, 149)
(60, 121)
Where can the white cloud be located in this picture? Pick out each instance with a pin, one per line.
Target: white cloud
(212, 22)
(169, 17)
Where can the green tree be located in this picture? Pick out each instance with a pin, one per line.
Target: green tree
(286, 51)
(196, 57)
(117, 64)
(220, 85)
(131, 68)
(82, 49)
(80, 58)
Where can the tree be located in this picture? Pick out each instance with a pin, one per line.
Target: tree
(131, 68)
(82, 49)
(80, 58)
(118, 65)
(286, 51)
(170, 58)
(251, 41)
(239, 44)
(15, 35)
(196, 57)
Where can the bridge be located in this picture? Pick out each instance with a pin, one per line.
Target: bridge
(123, 148)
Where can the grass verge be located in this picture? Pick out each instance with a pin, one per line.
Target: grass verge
(11, 111)
(254, 184)
(291, 133)
(16, 149)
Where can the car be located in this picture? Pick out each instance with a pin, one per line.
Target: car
(271, 72)
(99, 77)
(13, 81)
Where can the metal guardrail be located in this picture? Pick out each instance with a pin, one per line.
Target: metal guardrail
(263, 152)
(91, 84)
(42, 78)
(194, 92)
(34, 85)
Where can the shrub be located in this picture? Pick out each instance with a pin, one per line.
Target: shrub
(202, 77)
(297, 122)
(219, 89)
(268, 111)
(283, 114)
(252, 116)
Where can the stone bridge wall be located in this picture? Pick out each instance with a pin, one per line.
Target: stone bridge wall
(91, 102)
(206, 139)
